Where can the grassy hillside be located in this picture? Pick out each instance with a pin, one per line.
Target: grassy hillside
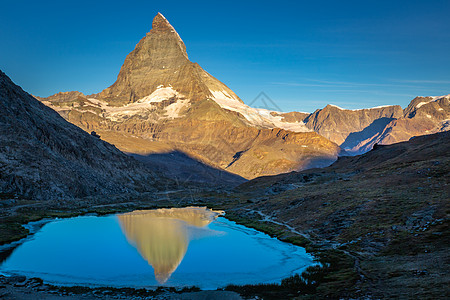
(387, 211)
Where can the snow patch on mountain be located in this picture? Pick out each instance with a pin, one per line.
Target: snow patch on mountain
(173, 110)
(146, 104)
(376, 107)
(359, 109)
(421, 104)
(431, 99)
(278, 121)
(256, 116)
(142, 107)
(440, 97)
(444, 125)
(336, 106)
(160, 94)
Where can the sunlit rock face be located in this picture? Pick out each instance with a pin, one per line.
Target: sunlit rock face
(163, 100)
(162, 236)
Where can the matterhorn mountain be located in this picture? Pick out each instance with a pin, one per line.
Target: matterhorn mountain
(162, 102)
(159, 66)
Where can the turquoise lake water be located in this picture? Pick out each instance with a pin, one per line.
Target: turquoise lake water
(169, 247)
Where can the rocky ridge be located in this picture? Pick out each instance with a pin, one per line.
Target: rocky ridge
(351, 128)
(44, 157)
(357, 131)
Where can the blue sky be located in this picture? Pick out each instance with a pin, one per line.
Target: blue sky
(303, 54)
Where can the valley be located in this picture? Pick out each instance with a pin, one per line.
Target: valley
(364, 192)
(373, 236)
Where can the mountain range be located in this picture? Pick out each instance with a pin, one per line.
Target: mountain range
(357, 131)
(162, 102)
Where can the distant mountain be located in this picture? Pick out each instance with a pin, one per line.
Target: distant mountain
(424, 115)
(42, 156)
(353, 130)
(356, 131)
(161, 102)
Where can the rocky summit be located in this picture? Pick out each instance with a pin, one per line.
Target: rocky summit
(160, 60)
(162, 102)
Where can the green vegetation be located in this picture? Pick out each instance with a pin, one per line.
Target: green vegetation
(335, 271)
(271, 229)
(298, 240)
(294, 286)
(12, 231)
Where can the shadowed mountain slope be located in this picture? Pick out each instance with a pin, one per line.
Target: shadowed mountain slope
(42, 156)
(184, 169)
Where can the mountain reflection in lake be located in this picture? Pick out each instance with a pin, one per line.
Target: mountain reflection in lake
(175, 247)
(162, 236)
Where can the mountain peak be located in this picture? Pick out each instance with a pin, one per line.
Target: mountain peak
(160, 23)
(160, 59)
(162, 28)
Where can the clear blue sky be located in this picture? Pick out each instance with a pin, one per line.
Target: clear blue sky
(303, 54)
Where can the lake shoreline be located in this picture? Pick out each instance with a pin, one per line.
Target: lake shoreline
(29, 285)
(175, 247)
(20, 287)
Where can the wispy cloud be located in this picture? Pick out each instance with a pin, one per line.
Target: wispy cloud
(344, 84)
(302, 84)
(366, 91)
(423, 81)
(411, 84)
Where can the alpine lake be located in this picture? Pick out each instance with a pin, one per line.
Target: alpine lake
(175, 247)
